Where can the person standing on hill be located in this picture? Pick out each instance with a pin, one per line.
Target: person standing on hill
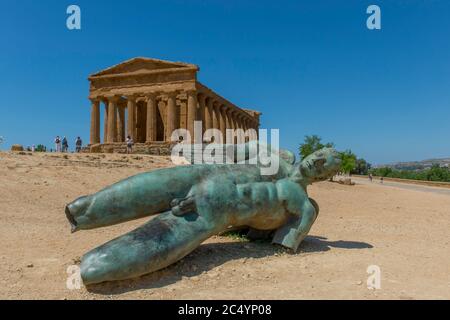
(130, 143)
(65, 145)
(58, 144)
(78, 144)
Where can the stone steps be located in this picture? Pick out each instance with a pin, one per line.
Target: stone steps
(157, 148)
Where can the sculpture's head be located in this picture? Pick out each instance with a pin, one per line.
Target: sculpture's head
(320, 165)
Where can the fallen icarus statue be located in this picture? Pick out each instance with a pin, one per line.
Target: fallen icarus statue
(193, 203)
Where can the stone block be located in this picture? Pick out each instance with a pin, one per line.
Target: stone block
(17, 148)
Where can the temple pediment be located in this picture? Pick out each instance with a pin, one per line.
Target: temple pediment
(144, 65)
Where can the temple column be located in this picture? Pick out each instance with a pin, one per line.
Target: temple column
(252, 127)
(191, 112)
(222, 121)
(171, 117)
(240, 127)
(255, 127)
(243, 128)
(105, 121)
(215, 115)
(236, 121)
(112, 116)
(256, 124)
(95, 122)
(131, 126)
(201, 110)
(120, 123)
(206, 118)
(247, 128)
(151, 117)
(233, 125)
(216, 119)
(231, 117)
(229, 126)
(209, 114)
(227, 118)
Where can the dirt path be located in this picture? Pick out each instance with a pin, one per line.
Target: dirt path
(402, 185)
(404, 232)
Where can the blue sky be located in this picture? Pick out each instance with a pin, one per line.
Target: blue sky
(311, 67)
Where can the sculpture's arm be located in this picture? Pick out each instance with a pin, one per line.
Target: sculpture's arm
(226, 153)
(236, 152)
(297, 227)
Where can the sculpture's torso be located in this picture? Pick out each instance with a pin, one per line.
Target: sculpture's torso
(260, 205)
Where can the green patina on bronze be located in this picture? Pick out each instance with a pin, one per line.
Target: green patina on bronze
(194, 203)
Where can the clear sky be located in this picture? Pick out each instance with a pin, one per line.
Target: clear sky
(311, 67)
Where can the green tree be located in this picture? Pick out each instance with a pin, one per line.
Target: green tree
(348, 161)
(362, 167)
(382, 172)
(436, 173)
(312, 144)
(40, 148)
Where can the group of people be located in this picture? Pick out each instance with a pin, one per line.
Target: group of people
(371, 178)
(62, 145)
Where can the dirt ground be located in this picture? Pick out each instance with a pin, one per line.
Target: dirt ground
(404, 232)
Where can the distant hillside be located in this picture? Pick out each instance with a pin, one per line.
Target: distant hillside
(417, 165)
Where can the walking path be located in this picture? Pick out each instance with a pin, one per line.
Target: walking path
(402, 185)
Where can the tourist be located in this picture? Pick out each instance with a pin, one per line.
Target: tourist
(78, 144)
(370, 177)
(129, 145)
(65, 145)
(33, 148)
(58, 144)
(381, 180)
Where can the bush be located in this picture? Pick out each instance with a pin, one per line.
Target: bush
(40, 148)
(435, 173)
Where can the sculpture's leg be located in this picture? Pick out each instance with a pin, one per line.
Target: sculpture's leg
(297, 227)
(138, 196)
(160, 242)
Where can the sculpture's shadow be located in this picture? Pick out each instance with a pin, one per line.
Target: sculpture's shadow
(211, 255)
(317, 244)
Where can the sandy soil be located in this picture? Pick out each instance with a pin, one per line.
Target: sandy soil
(404, 232)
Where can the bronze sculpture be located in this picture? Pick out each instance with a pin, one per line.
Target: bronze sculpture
(193, 203)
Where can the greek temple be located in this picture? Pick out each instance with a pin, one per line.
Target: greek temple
(147, 99)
